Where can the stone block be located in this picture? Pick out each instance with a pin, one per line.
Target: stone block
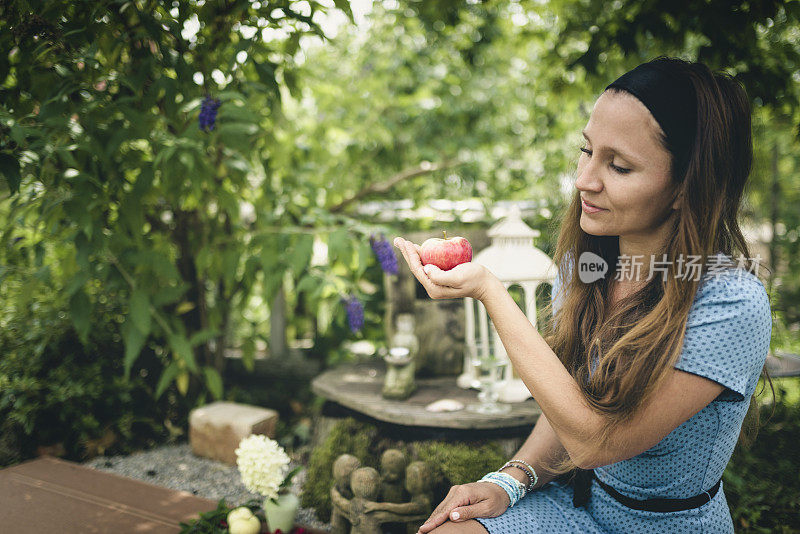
(216, 429)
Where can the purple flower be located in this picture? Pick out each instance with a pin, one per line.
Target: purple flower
(385, 254)
(208, 113)
(355, 313)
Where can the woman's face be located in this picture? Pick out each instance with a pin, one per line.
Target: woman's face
(624, 169)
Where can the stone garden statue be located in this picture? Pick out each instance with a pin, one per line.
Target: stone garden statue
(343, 468)
(393, 467)
(363, 511)
(419, 508)
(401, 360)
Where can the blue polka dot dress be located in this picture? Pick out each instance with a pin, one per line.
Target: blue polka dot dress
(727, 339)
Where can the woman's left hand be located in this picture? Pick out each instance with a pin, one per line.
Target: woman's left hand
(464, 280)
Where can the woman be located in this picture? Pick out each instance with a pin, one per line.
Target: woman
(643, 380)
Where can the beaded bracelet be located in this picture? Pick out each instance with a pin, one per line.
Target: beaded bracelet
(522, 468)
(513, 487)
(526, 468)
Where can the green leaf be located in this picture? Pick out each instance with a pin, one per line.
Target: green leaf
(238, 135)
(300, 255)
(244, 129)
(213, 382)
(266, 73)
(134, 341)
(249, 354)
(290, 79)
(9, 169)
(229, 202)
(364, 257)
(161, 264)
(187, 159)
(290, 47)
(338, 245)
(324, 316)
(43, 274)
(130, 211)
(202, 336)
(140, 311)
(307, 284)
(144, 181)
(250, 270)
(164, 156)
(344, 5)
(272, 282)
(287, 481)
(230, 262)
(18, 133)
(182, 381)
(169, 294)
(82, 247)
(80, 308)
(181, 346)
(167, 377)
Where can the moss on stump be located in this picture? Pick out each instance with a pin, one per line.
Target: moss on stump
(452, 463)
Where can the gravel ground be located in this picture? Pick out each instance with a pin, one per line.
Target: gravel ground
(175, 467)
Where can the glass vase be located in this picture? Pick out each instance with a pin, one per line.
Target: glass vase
(488, 373)
(281, 514)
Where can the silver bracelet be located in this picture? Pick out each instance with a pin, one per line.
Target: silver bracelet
(529, 466)
(526, 468)
(522, 468)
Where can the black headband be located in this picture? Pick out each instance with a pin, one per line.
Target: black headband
(665, 89)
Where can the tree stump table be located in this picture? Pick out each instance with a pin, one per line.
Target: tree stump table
(355, 390)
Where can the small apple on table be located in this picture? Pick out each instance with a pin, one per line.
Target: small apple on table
(445, 253)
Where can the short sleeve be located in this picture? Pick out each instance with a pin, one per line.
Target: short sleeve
(728, 333)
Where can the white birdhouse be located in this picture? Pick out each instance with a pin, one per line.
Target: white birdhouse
(516, 262)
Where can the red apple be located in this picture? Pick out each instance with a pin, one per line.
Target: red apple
(445, 253)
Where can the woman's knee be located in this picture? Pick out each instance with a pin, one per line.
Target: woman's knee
(470, 526)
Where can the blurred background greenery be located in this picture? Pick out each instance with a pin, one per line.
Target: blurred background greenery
(141, 243)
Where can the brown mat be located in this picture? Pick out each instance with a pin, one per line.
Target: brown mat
(52, 495)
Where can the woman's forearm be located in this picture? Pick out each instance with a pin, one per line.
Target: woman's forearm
(551, 385)
(540, 449)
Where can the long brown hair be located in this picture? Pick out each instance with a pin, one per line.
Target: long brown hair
(640, 339)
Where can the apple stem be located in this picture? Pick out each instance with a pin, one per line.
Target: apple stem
(445, 233)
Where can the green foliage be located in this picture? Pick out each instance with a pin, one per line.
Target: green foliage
(774, 192)
(200, 230)
(758, 40)
(103, 157)
(452, 463)
(485, 110)
(57, 391)
(215, 521)
(461, 463)
(347, 437)
(762, 485)
(788, 387)
(132, 242)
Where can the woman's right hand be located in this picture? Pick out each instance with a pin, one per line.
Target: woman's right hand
(476, 499)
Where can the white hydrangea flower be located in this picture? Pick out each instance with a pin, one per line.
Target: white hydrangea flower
(263, 464)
